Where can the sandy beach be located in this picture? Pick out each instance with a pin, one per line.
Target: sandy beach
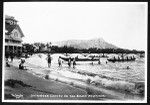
(38, 86)
(27, 85)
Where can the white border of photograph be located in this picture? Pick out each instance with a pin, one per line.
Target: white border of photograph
(74, 101)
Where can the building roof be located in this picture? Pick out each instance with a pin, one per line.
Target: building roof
(18, 27)
(10, 18)
(10, 28)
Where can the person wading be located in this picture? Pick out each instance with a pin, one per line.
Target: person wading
(99, 61)
(59, 61)
(49, 59)
(74, 62)
(92, 60)
(69, 62)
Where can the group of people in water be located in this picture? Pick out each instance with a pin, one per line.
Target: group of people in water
(122, 58)
(70, 61)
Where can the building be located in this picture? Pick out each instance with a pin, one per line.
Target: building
(13, 36)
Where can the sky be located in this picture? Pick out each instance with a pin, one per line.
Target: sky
(123, 24)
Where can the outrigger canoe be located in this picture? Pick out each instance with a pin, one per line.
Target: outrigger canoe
(121, 60)
(98, 56)
(79, 59)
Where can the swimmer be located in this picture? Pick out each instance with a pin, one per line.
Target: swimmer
(128, 67)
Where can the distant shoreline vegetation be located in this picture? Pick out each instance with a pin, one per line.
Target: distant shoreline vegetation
(44, 48)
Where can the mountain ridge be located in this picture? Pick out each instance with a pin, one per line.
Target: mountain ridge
(85, 44)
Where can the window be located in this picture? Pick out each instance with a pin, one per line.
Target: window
(15, 34)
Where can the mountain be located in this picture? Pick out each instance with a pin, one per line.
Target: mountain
(85, 44)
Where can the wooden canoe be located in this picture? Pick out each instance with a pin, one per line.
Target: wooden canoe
(79, 59)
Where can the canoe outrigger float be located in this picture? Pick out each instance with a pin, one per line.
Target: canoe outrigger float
(79, 59)
(121, 60)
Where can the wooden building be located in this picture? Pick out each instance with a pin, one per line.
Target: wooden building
(13, 36)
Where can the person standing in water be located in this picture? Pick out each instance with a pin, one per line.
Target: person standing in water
(92, 60)
(69, 61)
(127, 58)
(49, 60)
(128, 67)
(99, 61)
(106, 62)
(74, 62)
(118, 58)
(59, 61)
(133, 57)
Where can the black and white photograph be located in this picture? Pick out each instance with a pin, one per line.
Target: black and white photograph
(82, 52)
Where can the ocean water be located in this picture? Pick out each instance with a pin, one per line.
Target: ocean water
(115, 75)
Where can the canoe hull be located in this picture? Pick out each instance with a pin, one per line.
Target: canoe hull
(121, 60)
(79, 59)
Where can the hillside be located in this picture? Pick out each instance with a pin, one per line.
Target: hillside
(85, 44)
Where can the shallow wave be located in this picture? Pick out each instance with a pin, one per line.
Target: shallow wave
(115, 84)
(113, 75)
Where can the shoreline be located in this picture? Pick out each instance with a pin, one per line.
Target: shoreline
(65, 82)
(58, 87)
(54, 75)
